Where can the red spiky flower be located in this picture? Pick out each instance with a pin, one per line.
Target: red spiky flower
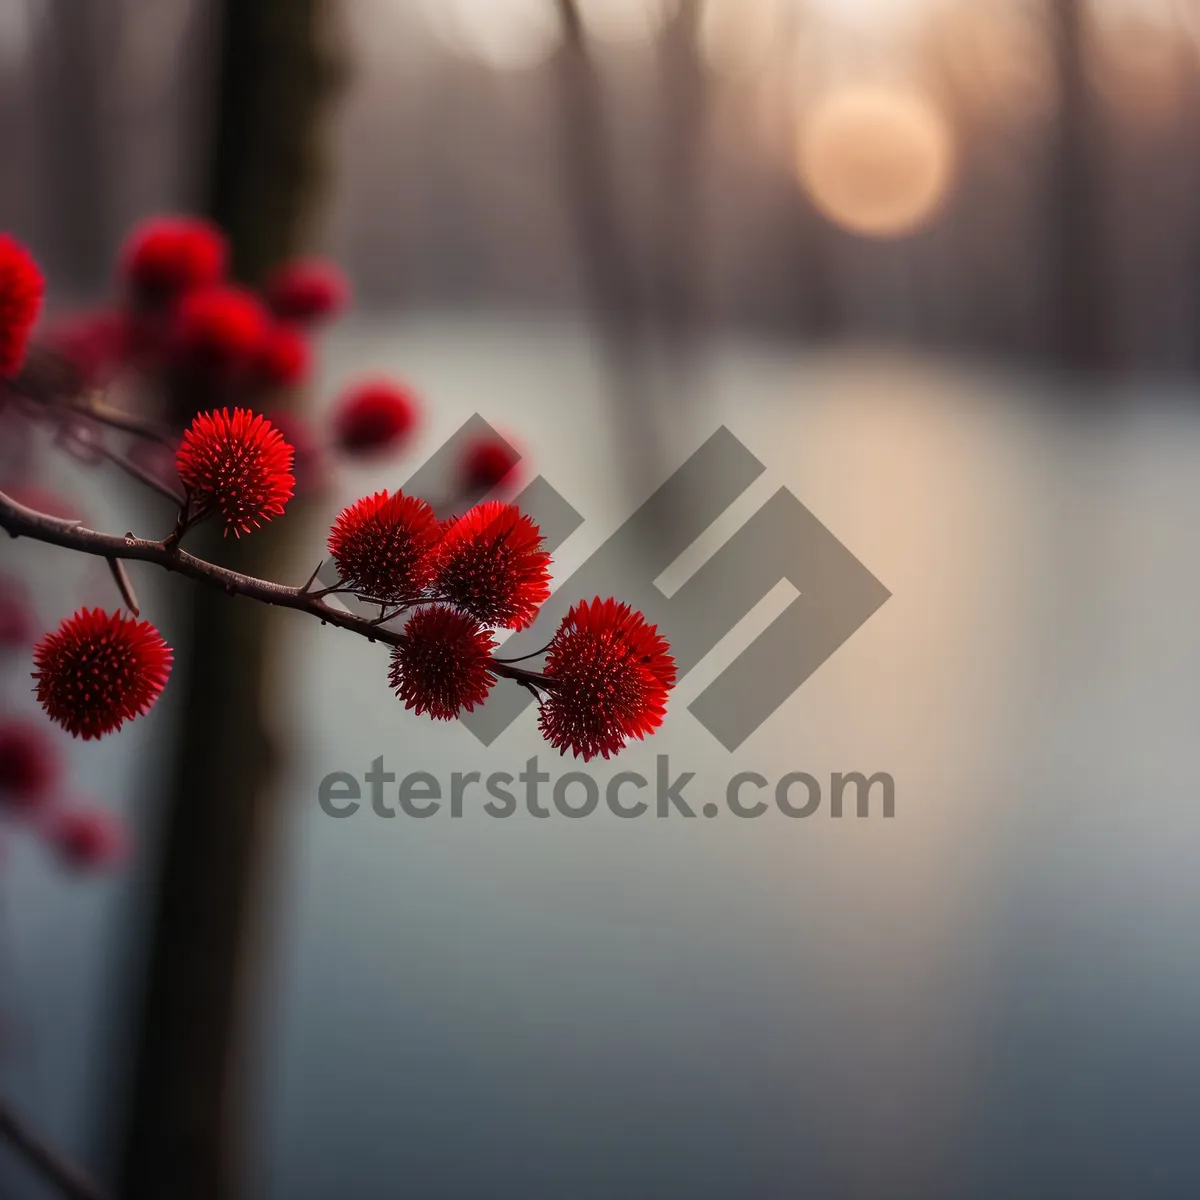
(29, 766)
(21, 289)
(382, 545)
(282, 358)
(374, 416)
(486, 463)
(166, 256)
(611, 674)
(443, 666)
(87, 839)
(490, 563)
(218, 331)
(236, 465)
(99, 670)
(308, 289)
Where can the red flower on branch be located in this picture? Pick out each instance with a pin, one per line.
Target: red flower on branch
(87, 839)
(238, 466)
(490, 563)
(373, 417)
(382, 545)
(99, 670)
(21, 289)
(219, 331)
(308, 289)
(443, 666)
(166, 256)
(611, 674)
(487, 463)
(29, 766)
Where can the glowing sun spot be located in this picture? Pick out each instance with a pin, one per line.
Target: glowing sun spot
(876, 160)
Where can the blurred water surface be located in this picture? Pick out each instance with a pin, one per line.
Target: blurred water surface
(995, 993)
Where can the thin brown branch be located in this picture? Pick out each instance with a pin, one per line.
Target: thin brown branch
(19, 521)
(123, 422)
(65, 1176)
(124, 585)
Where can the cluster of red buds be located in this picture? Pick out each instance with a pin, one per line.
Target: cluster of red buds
(443, 588)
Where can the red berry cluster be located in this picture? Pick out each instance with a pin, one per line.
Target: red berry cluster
(454, 583)
(607, 673)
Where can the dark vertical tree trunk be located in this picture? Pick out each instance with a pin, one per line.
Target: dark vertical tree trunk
(681, 232)
(76, 179)
(615, 288)
(186, 1117)
(1083, 333)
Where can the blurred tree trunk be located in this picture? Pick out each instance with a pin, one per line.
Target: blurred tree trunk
(76, 180)
(1083, 333)
(681, 225)
(616, 291)
(186, 1124)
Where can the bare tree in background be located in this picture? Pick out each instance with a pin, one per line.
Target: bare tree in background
(75, 179)
(277, 70)
(1082, 324)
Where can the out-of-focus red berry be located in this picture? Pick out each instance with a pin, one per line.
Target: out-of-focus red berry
(374, 417)
(21, 289)
(486, 463)
(308, 289)
(87, 839)
(29, 766)
(283, 358)
(166, 256)
(218, 332)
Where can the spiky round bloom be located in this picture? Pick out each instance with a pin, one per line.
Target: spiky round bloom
(308, 289)
(282, 358)
(486, 463)
(374, 416)
(87, 839)
(238, 466)
(218, 331)
(490, 563)
(166, 256)
(382, 546)
(444, 664)
(21, 289)
(611, 674)
(29, 767)
(99, 670)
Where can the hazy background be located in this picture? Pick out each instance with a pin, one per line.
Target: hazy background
(936, 263)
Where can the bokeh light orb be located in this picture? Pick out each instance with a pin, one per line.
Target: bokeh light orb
(876, 160)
